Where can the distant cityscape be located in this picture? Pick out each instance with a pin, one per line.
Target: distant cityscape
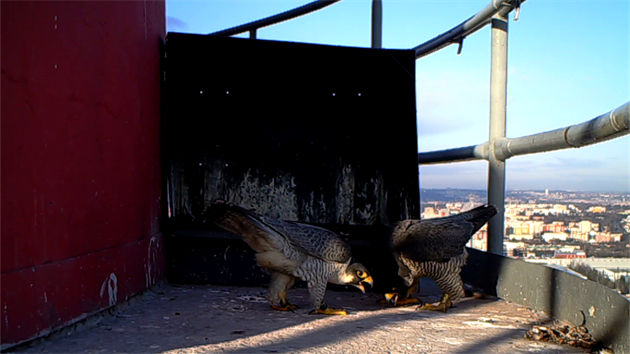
(578, 232)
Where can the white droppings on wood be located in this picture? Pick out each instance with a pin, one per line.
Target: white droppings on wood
(274, 198)
(345, 195)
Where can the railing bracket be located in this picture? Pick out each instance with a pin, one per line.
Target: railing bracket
(518, 10)
(516, 6)
(461, 45)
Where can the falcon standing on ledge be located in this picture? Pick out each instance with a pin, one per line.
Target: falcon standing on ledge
(289, 250)
(435, 248)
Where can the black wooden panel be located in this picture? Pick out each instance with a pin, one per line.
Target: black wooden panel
(296, 131)
(322, 134)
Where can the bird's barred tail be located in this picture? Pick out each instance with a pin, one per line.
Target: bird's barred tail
(232, 218)
(479, 216)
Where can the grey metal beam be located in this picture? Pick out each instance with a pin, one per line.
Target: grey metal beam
(467, 153)
(471, 25)
(607, 126)
(610, 125)
(272, 20)
(377, 24)
(498, 100)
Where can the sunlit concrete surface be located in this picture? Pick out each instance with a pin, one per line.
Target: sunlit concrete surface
(212, 319)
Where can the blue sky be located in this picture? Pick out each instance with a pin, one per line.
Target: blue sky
(568, 62)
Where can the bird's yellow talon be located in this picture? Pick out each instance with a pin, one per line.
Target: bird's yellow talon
(285, 307)
(444, 304)
(428, 307)
(408, 301)
(329, 311)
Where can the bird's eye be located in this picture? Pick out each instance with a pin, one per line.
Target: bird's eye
(360, 274)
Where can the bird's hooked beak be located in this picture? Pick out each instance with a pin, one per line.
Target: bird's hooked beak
(367, 280)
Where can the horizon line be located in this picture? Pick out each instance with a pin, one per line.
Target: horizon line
(530, 190)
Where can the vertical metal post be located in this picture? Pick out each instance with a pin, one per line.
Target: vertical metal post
(252, 34)
(377, 23)
(498, 98)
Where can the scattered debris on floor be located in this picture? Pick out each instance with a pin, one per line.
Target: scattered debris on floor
(562, 333)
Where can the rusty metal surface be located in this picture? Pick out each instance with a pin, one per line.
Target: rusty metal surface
(216, 319)
(80, 158)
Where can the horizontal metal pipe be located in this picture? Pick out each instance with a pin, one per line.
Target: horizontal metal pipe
(611, 125)
(607, 126)
(465, 28)
(272, 20)
(467, 153)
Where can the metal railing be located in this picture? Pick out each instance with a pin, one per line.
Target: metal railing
(605, 127)
(457, 34)
(498, 148)
(252, 27)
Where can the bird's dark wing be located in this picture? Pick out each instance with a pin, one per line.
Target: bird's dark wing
(313, 240)
(260, 232)
(438, 239)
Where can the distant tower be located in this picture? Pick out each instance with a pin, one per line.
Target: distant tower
(546, 191)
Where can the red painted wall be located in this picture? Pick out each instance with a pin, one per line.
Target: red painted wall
(81, 180)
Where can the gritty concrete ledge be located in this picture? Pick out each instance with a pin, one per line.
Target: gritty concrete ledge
(214, 319)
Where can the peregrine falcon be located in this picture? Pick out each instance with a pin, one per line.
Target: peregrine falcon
(291, 250)
(435, 248)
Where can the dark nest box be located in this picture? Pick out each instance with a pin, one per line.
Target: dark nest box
(316, 133)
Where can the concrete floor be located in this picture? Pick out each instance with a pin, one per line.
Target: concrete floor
(215, 319)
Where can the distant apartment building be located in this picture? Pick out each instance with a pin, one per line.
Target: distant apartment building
(455, 206)
(554, 227)
(539, 252)
(616, 274)
(429, 213)
(480, 239)
(548, 236)
(519, 217)
(514, 248)
(597, 209)
(587, 226)
(569, 248)
(531, 251)
(608, 237)
(613, 268)
(535, 226)
(560, 209)
(562, 254)
(521, 237)
(584, 230)
(576, 234)
(516, 228)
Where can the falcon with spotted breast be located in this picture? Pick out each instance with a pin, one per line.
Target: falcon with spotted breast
(435, 248)
(291, 250)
